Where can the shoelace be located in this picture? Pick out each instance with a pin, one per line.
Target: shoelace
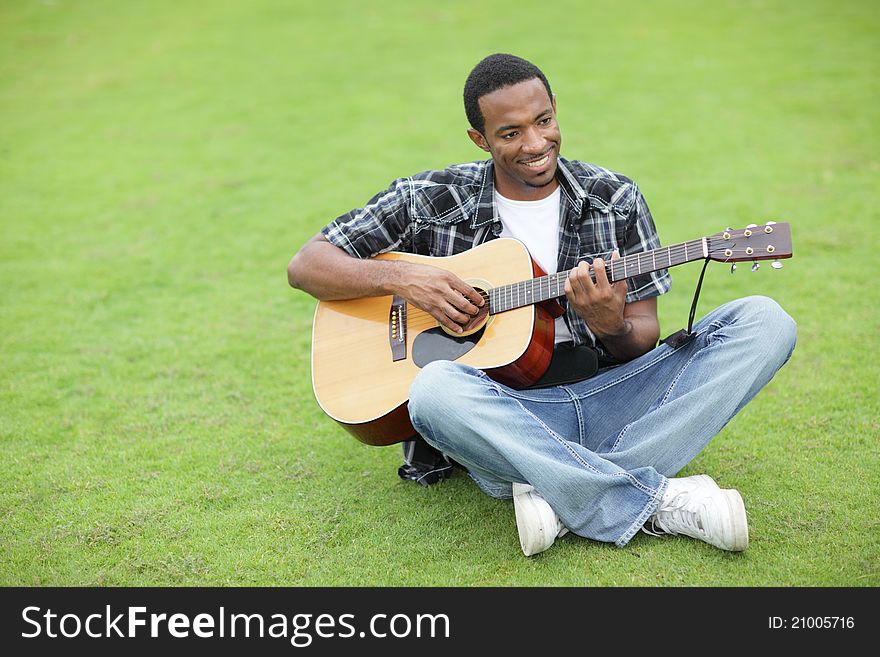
(671, 518)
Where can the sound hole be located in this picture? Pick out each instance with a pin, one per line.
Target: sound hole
(440, 344)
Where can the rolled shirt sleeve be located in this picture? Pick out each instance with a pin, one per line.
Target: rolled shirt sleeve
(383, 224)
(641, 235)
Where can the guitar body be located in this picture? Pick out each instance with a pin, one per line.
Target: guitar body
(358, 383)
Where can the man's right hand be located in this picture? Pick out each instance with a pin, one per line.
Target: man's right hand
(442, 294)
(327, 272)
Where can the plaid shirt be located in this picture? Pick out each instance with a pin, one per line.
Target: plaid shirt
(441, 213)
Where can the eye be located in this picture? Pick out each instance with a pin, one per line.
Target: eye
(509, 135)
(545, 121)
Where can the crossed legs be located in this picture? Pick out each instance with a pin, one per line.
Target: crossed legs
(600, 452)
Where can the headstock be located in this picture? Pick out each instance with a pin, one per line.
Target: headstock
(771, 241)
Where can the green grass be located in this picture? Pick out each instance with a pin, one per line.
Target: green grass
(160, 162)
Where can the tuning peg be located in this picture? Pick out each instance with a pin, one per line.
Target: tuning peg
(752, 226)
(728, 228)
(776, 264)
(733, 268)
(770, 223)
(755, 266)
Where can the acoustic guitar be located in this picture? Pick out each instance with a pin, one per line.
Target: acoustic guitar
(366, 352)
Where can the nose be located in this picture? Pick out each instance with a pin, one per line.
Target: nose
(533, 141)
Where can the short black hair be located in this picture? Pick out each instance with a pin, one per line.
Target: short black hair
(492, 73)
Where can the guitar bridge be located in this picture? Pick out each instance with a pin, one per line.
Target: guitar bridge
(397, 329)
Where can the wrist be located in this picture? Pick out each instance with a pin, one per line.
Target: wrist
(623, 330)
(393, 278)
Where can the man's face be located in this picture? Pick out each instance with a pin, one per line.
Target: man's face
(523, 138)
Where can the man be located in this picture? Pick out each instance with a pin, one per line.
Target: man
(596, 457)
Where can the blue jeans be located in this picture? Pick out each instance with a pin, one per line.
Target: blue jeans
(600, 451)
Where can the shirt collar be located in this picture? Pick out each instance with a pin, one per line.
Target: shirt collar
(486, 212)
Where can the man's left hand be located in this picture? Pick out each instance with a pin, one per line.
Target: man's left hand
(601, 303)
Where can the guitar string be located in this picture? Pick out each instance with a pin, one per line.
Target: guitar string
(635, 259)
(423, 319)
(429, 320)
(514, 290)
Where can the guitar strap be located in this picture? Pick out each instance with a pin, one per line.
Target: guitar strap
(683, 336)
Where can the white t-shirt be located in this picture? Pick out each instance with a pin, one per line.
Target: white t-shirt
(535, 224)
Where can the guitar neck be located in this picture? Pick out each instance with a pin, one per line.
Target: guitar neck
(544, 288)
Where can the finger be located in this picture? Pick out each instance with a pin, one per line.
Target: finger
(573, 290)
(461, 302)
(581, 277)
(622, 282)
(459, 318)
(599, 270)
(446, 321)
(469, 294)
(579, 284)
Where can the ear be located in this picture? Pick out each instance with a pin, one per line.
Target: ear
(478, 138)
(553, 102)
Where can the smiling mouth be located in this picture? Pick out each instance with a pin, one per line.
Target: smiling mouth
(540, 162)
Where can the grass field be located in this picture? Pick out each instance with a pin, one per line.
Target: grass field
(160, 162)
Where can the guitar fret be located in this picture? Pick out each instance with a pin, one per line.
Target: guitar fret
(552, 286)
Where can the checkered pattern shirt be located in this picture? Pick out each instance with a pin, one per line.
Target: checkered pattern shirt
(441, 213)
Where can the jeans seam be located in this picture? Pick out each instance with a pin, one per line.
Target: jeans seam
(677, 377)
(580, 416)
(567, 446)
(619, 438)
(518, 396)
(644, 367)
(559, 439)
(642, 518)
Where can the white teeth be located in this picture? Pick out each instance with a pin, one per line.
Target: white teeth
(538, 163)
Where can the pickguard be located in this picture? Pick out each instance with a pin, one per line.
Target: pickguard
(436, 344)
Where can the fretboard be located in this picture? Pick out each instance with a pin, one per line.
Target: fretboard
(544, 288)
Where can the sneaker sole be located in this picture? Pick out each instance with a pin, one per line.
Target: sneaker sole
(738, 523)
(739, 526)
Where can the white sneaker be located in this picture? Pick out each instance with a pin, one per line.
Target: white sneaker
(697, 507)
(537, 523)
